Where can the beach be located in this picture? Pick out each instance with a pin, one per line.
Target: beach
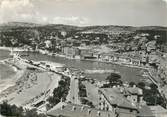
(28, 84)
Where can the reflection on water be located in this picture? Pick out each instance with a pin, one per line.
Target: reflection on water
(4, 54)
(6, 71)
(128, 74)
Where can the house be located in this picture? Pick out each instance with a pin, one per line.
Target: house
(85, 42)
(135, 62)
(105, 56)
(134, 95)
(153, 59)
(71, 51)
(112, 99)
(158, 111)
(151, 46)
(64, 109)
(145, 111)
(86, 53)
(96, 55)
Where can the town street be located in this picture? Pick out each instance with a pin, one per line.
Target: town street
(73, 92)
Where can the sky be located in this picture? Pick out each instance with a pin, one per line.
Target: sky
(85, 12)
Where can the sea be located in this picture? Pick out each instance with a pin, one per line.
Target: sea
(127, 73)
(6, 71)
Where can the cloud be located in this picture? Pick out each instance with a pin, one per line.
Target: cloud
(73, 20)
(165, 1)
(12, 10)
(25, 10)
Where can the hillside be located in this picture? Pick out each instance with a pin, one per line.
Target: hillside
(22, 33)
(86, 29)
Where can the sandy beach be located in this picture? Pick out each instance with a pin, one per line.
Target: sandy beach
(28, 85)
(13, 77)
(9, 82)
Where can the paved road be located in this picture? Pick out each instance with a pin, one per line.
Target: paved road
(73, 93)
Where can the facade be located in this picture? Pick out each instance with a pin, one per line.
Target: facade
(123, 59)
(112, 99)
(64, 109)
(145, 111)
(71, 51)
(134, 95)
(86, 53)
(158, 111)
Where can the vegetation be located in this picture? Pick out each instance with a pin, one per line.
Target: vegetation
(82, 89)
(162, 71)
(59, 93)
(141, 85)
(152, 96)
(87, 102)
(131, 84)
(14, 111)
(21, 34)
(114, 79)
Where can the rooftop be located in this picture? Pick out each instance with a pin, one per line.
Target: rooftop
(73, 110)
(115, 97)
(145, 111)
(158, 109)
(134, 90)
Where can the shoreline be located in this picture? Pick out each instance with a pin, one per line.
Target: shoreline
(92, 60)
(10, 81)
(5, 48)
(14, 49)
(64, 56)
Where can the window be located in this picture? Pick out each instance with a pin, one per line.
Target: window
(131, 110)
(107, 108)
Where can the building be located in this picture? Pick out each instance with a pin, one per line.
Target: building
(158, 111)
(151, 46)
(96, 55)
(112, 99)
(86, 53)
(134, 95)
(64, 109)
(145, 111)
(71, 51)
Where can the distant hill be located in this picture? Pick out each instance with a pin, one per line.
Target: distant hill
(86, 29)
(21, 33)
(19, 24)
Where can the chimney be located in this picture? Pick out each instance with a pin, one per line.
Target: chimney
(62, 107)
(82, 108)
(98, 113)
(114, 86)
(73, 108)
(89, 111)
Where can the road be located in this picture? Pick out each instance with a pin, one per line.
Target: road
(73, 96)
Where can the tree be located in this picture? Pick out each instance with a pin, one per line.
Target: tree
(14, 111)
(114, 79)
(153, 87)
(131, 84)
(141, 85)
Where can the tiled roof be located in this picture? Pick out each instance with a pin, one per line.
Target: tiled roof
(145, 111)
(73, 110)
(158, 109)
(134, 90)
(115, 97)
